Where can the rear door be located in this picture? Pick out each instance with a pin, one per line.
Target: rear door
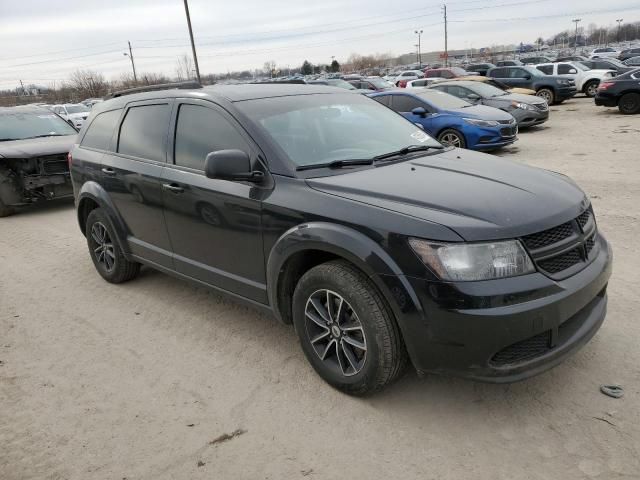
(214, 225)
(404, 104)
(501, 74)
(131, 175)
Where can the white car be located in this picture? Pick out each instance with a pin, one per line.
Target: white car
(587, 80)
(605, 52)
(74, 113)
(422, 82)
(407, 76)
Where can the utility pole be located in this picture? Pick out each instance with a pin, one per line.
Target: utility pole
(419, 33)
(619, 20)
(446, 46)
(193, 45)
(133, 65)
(575, 43)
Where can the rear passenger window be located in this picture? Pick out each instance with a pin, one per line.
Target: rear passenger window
(499, 73)
(143, 132)
(200, 131)
(100, 131)
(383, 99)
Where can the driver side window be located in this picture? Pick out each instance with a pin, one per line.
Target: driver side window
(405, 103)
(518, 73)
(201, 130)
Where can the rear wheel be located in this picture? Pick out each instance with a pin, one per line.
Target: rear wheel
(629, 103)
(547, 94)
(453, 138)
(346, 331)
(105, 252)
(591, 88)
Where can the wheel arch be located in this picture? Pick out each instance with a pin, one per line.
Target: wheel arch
(92, 196)
(311, 244)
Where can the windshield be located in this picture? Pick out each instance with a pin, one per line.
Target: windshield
(442, 100)
(379, 83)
(76, 108)
(485, 90)
(341, 84)
(313, 129)
(616, 62)
(21, 125)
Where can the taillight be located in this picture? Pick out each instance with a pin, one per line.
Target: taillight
(605, 85)
(69, 159)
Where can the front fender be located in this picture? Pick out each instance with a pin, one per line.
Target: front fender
(355, 247)
(93, 191)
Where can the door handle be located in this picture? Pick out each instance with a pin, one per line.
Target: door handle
(109, 171)
(172, 187)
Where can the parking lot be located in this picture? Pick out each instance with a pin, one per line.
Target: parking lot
(158, 379)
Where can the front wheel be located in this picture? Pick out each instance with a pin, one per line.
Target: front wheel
(591, 88)
(547, 94)
(452, 138)
(629, 103)
(105, 252)
(346, 331)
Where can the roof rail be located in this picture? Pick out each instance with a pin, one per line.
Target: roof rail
(152, 88)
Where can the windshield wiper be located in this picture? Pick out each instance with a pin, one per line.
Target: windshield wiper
(409, 149)
(44, 135)
(337, 164)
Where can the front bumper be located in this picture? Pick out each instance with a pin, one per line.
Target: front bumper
(565, 93)
(490, 138)
(529, 118)
(510, 329)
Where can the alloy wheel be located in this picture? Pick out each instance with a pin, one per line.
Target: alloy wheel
(103, 247)
(546, 95)
(592, 89)
(451, 139)
(335, 332)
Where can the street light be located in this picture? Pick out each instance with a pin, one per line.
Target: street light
(619, 20)
(419, 33)
(575, 43)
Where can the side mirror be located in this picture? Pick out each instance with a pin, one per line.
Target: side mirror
(573, 70)
(230, 165)
(527, 76)
(473, 97)
(419, 111)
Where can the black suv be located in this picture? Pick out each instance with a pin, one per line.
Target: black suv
(554, 89)
(34, 144)
(336, 214)
(622, 91)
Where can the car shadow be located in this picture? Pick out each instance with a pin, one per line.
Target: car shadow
(45, 207)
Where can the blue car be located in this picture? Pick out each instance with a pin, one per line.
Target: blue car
(451, 120)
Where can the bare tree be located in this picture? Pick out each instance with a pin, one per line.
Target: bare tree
(87, 84)
(269, 68)
(184, 68)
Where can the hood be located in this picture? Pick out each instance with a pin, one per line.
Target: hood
(481, 112)
(518, 97)
(479, 196)
(36, 147)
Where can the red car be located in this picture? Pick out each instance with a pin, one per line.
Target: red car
(449, 72)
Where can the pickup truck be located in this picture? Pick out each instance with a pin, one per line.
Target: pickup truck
(34, 143)
(587, 80)
(553, 89)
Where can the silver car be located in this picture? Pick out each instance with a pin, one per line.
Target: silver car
(528, 110)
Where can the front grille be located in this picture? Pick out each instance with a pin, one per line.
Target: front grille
(549, 237)
(508, 131)
(523, 350)
(54, 164)
(561, 262)
(561, 250)
(506, 122)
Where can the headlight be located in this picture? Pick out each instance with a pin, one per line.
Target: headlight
(563, 82)
(523, 106)
(481, 123)
(473, 261)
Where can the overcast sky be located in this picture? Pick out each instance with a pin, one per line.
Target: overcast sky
(43, 40)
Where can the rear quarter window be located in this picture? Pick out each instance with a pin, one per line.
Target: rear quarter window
(99, 133)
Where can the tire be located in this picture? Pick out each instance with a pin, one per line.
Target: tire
(105, 252)
(591, 88)
(547, 94)
(629, 103)
(447, 137)
(362, 346)
(5, 211)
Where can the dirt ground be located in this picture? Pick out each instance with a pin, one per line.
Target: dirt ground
(139, 381)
